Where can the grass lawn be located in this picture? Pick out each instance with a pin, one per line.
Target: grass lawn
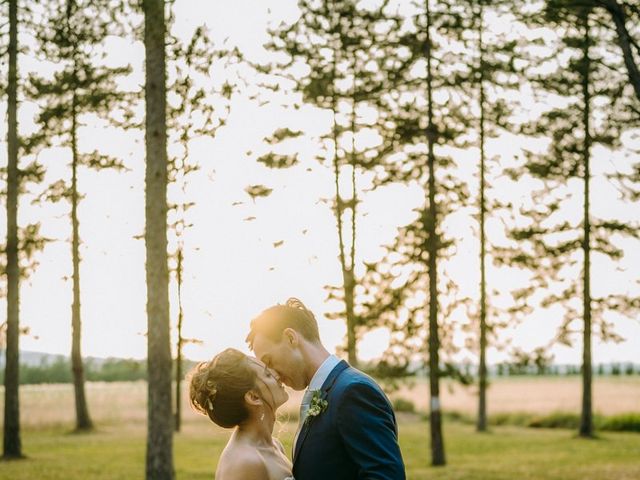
(117, 452)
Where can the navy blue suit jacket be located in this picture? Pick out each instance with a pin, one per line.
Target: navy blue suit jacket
(356, 437)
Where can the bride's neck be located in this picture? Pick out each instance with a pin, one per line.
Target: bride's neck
(258, 430)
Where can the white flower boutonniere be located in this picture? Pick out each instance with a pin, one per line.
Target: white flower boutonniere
(317, 405)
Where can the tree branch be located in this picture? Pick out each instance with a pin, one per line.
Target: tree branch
(625, 41)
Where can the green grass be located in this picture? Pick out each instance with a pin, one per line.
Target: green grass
(514, 452)
(117, 452)
(511, 450)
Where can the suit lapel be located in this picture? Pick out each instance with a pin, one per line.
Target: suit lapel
(326, 388)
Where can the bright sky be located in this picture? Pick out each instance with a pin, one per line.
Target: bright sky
(232, 269)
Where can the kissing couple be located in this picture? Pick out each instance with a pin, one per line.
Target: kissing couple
(347, 429)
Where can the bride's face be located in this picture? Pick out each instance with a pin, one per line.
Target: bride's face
(269, 384)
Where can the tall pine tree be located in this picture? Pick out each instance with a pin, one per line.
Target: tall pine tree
(497, 80)
(12, 444)
(349, 51)
(22, 242)
(80, 89)
(410, 291)
(591, 110)
(199, 108)
(159, 455)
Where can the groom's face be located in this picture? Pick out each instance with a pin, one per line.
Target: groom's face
(284, 357)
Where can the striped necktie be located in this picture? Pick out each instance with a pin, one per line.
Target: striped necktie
(304, 409)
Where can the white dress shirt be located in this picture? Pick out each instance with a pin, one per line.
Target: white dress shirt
(316, 383)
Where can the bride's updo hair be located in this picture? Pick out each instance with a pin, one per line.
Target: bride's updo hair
(217, 388)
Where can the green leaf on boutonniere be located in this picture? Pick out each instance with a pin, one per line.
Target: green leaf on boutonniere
(317, 405)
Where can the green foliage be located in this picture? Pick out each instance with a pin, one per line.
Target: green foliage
(352, 53)
(556, 420)
(59, 371)
(427, 112)
(624, 422)
(439, 106)
(117, 370)
(511, 418)
(258, 191)
(539, 362)
(197, 107)
(403, 405)
(457, 417)
(273, 160)
(73, 35)
(588, 112)
(109, 370)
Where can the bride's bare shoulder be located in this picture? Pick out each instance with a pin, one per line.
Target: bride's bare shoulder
(239, 462)
(279, 445)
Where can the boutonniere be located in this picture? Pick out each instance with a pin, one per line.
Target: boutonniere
(317, 405)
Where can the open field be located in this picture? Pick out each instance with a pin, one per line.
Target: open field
(51, 406)
(117, 449)
(541, 395)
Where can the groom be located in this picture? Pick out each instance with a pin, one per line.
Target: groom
(347, 427)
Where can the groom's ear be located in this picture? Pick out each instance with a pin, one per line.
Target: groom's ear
(290, 336)
(252, 398)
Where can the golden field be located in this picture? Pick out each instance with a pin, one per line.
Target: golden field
(44, 406)
(531, 394)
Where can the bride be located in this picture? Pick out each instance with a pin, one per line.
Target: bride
(240, 392)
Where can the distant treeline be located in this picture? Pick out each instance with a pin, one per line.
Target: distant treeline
(129, 370)
(467, 373)
(110, 370)
(601, 369)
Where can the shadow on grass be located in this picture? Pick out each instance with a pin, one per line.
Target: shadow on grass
(13, 458)
(595, 437)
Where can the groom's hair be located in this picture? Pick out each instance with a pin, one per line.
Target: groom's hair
(273, 321)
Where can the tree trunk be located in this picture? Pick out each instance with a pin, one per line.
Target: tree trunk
(178, 413)
(482, 367)
(586, 417)
(349, 290)
(83, 420)
(12, 445)
(347, 275)
(435, 415)
(348, 279)
(159, 456)
(347, 272)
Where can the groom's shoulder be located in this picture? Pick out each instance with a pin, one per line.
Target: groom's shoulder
(352, 378)
(353, 375)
